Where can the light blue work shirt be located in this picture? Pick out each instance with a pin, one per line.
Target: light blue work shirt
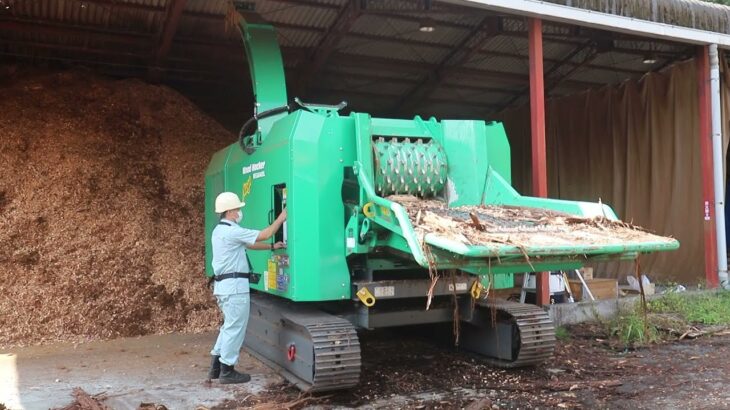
(229, 244)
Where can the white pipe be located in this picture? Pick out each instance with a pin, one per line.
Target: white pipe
(717, 164)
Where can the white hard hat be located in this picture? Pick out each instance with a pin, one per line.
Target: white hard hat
(227, 201)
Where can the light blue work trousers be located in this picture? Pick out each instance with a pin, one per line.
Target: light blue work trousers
(235, 310)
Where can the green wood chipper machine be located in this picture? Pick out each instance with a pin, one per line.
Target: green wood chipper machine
(392, 222)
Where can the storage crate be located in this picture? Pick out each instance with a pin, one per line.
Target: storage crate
(600, 288)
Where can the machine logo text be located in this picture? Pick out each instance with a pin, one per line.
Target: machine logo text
(257, 168)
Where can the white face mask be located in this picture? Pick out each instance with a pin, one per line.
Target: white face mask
(239, 217)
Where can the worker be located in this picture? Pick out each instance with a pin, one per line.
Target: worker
(232, 269)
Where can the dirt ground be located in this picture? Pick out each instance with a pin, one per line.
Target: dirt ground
(166, 369)
(403, 370)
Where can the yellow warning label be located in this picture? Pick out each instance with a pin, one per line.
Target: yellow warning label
(272, 274)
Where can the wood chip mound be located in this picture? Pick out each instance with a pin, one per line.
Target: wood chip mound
(517, 226)
(101, 209)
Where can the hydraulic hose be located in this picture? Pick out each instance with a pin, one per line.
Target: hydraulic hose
(255, 118)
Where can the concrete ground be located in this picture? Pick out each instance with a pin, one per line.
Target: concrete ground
(167, 369)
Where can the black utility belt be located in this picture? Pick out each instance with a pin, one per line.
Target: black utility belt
(252, 277)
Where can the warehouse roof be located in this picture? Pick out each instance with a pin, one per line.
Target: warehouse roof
(699, 14)
(380, 55)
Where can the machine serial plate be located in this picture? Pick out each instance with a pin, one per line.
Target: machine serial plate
(461, 286)
(384, 291)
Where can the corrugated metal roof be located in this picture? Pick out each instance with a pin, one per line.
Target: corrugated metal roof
(199, 6)
(405, 29)
(386, 33)
(303, 15)
(289, 37)
(77, 12)
(409, 52)
(503, 64)
(697, 14)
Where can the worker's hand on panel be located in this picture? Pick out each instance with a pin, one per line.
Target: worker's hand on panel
(279, 245)
(282, 215)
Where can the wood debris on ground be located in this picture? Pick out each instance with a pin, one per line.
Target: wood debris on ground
(517, 226)
(101, 209)
(276, 397)
(85, 401)
(154, 406)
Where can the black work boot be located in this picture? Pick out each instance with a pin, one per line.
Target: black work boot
(230, 376)
(215, 367)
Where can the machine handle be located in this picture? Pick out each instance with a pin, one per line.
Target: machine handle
(312, 107)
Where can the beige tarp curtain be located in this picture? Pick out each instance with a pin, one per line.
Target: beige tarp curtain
(635, 147)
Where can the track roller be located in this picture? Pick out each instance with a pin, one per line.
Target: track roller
(314, 350)
(509, 334)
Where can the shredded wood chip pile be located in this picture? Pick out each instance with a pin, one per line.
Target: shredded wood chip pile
(101, 209)
(518, 226)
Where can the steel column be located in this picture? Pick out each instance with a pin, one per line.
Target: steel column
(702, 62)
(537, 128)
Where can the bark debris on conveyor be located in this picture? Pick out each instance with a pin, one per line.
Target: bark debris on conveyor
(519, 226)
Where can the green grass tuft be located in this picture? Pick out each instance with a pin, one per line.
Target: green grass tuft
(675, 311)
(562, 333)
(630, 330)
(706, 309)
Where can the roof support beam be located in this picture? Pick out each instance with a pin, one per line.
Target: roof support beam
(472, 50)
(488, 27)
(172, 19)
(553, 69)
(346, 17)
(139, 44)
(400, 65)
(403, 17)
(400, 80)
(132, 41)
(112, 36)
(128, 38)
(603, 21)
(371, 94)
(559, 40)
(117, 52)
(128, 5)
(554, 82)
(130, 68)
